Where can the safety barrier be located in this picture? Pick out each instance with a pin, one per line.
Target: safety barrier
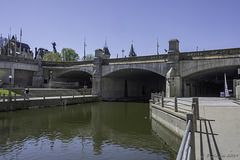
(187, 147)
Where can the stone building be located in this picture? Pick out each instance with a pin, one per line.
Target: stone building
(15, 48)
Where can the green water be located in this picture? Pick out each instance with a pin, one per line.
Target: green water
(102, 130)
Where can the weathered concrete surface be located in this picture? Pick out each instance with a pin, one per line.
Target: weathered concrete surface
(20, 66)
(174, 121)
(169, 137)
(218, 131)
(159, 68)
(189, 67)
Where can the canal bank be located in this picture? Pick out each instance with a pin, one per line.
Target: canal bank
(40, 102)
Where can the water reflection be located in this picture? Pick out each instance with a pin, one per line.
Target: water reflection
(89, 131)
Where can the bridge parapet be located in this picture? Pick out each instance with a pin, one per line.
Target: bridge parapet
(17, 60)
(66, 64)
(138, 59)
(209, 53)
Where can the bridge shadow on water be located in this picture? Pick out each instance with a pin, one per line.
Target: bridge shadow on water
(208, 145)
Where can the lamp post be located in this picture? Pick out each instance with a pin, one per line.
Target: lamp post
(51, 75)
(10, 87)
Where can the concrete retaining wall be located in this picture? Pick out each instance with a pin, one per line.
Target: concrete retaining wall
(29, 104)
(174, 123)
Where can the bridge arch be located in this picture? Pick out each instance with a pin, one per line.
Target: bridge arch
(81, 77)
(131, 83)
(195, 66)
(158, 68)
(209, 80)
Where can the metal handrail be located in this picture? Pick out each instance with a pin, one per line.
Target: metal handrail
(189, 153)
(186, 146)
(180, 151)
(193, 110)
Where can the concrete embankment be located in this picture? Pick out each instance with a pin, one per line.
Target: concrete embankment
(20, 104)
(174, 121)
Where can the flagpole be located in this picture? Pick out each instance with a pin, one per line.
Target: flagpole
(8, 44)
(15, 45)
(10, 33)
(157, 47)
(21, 41)
(84, 56)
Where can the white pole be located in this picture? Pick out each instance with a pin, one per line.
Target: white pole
(225, 86)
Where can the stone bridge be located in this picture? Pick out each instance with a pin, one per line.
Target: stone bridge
(23, 71)
(197, 73)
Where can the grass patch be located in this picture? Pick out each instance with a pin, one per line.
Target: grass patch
(6, 92)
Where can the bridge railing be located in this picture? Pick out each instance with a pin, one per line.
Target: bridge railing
(207, 53)
(66, 64)
(4, 58)
(44, 95)
(134, 59)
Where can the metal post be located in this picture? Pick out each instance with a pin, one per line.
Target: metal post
(0, 96)
(24, 96)
(73, 94)
(162, 100)
(44, 96)
(191, 117)
(196, 100)
(175, 104)
(159, 97)
(60, 95)
(195, 112)
(15, 97)
(153, 99)
(3, 97)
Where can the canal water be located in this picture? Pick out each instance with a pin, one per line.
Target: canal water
(102, 130)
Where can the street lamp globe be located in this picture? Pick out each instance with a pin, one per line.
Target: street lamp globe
(10, 78)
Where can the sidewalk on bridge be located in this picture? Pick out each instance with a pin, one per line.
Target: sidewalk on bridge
(218, 130)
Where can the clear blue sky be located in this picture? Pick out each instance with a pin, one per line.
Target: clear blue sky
(208, 24)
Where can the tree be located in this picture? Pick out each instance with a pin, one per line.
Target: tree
(69, 55)
(50, 56)
(89, 57)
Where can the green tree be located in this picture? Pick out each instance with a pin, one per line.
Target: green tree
(89, 57)
(69, 54)
(2, 73)
(50, 56)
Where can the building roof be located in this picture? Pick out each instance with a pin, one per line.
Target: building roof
(132, 53)
(23, 45)
(173, 40)
(106, 51)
